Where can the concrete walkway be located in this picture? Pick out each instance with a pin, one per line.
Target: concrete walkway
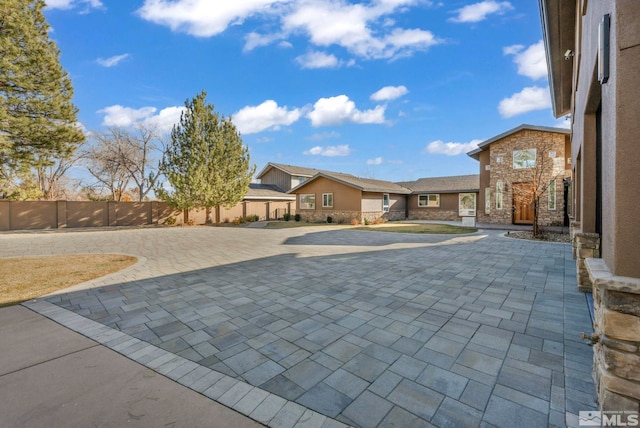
(320, 326)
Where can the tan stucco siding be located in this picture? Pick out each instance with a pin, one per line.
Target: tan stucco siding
(345, 198)
(620, 127)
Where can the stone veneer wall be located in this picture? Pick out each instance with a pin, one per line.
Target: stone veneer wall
(585, 246)
(346, 217)
(504, 171)
(434, 214)
(617, 338)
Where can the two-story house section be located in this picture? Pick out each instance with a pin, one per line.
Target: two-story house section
(286, 177)
(518, 165)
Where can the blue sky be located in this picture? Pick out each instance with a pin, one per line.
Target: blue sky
(387, 89)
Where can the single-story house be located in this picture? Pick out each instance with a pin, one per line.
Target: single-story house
(442, 198)
(345, 198)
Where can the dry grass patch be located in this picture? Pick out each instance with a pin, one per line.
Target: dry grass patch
(27, 278)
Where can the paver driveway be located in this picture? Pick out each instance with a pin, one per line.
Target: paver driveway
(367, 328)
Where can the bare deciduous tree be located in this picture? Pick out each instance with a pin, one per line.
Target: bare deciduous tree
(122, 157)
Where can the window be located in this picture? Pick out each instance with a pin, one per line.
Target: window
(499, 187)
(487, 200)
(308, 202)
(327, 200)
(385, 202)
(552, 195)
(524, 158)
(432, 200)
(467, 204)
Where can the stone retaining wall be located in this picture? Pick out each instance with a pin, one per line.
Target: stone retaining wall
(617, 338)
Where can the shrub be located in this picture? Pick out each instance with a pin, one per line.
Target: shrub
(286, 217)
(251, 218)
(354, 222)
(239, 220)
(191, 222)
(380, 220)
(226, 220)
(296, 217)
(329, 219)
(171, 221)
(366, 222)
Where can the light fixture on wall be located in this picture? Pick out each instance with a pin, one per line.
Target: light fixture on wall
(568, 55)
(603, 49)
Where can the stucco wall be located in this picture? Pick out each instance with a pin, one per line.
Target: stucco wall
(345, 198)
(620, 129)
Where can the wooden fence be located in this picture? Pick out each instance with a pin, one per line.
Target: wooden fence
(30, 215)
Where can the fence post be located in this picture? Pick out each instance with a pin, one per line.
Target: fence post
(61, 214)
(112, 219)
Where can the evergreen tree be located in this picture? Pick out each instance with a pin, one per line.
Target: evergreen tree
(205, 163)
(37, 117)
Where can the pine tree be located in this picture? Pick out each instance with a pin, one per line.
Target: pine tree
(37, 117)
(205, 163)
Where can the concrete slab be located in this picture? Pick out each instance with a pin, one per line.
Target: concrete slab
(53, 377)
(27, 339)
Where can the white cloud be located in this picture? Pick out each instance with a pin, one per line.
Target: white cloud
(389, 93)
(375, 161)
(112, 61)
(120, 116)
(340, 109)
(360, 28)
(165, 119)
(564, 122)
(365, 29)
(330, 151)
(451, 149)
(529, 99)
(318, 60)
(70, 4)
(531, 62)
(203, 18)
(253, 119)
(479, 11)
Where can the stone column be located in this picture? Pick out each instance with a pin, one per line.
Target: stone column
(574, 227)
(617, 338)
(587, 245)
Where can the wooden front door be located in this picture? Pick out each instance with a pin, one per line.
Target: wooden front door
(522, 204)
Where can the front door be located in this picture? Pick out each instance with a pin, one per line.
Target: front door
(522, 203)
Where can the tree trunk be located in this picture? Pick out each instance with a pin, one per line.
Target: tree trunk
(186, 216)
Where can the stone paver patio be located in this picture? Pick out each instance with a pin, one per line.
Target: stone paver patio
(319, 326)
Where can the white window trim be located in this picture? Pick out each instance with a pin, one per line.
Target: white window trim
(427, 195)
(323, 200)
(553, 195)
(312, 196)
(385, 208)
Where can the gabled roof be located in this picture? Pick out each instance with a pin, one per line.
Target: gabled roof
(363, 184)
(299, 171)
(267, 191)
(453, 184)
(485, 144)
